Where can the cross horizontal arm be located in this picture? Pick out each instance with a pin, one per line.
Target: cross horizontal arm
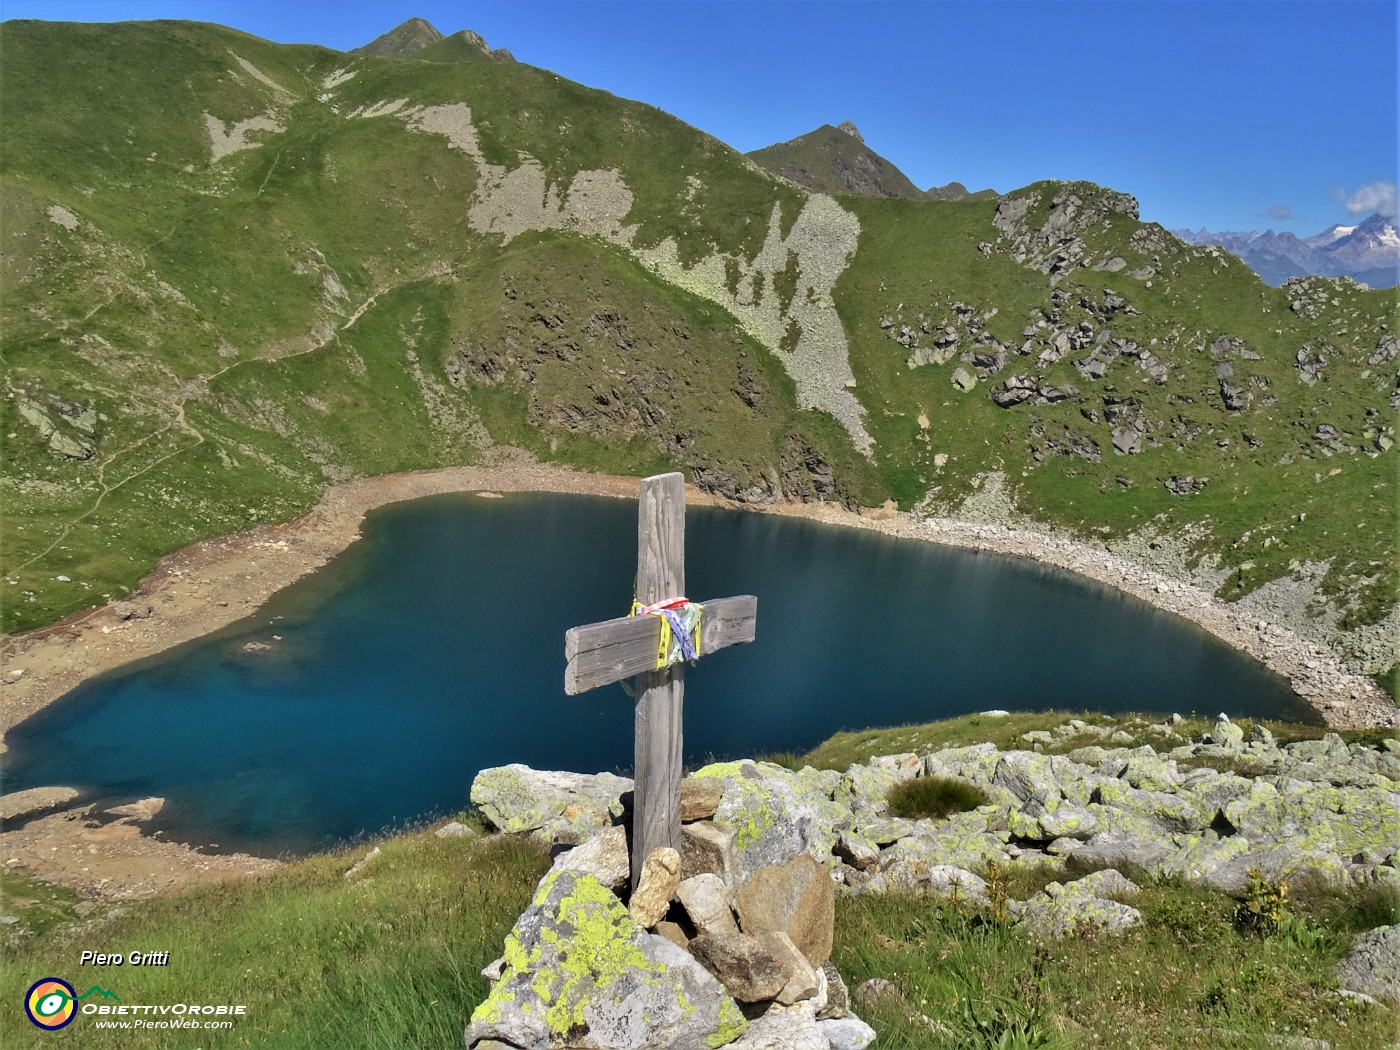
(609, 651)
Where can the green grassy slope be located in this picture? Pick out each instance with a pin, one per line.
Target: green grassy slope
(234, 281)
(1278, 494)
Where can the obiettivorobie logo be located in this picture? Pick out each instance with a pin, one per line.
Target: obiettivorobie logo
(51, 1003)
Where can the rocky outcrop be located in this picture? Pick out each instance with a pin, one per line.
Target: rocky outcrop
(744, 912)
(1051, 240)
(1372, 967)
(579, 972)
(1319, 806)
(582, 969)
(560, 807)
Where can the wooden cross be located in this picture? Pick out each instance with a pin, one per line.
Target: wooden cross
(600, 653)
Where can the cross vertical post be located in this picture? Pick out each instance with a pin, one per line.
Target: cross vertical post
(631, 647)
(656, 797)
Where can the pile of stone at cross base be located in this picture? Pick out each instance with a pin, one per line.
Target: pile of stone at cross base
(715, 948)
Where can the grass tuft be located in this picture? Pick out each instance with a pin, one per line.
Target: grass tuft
(933, 798)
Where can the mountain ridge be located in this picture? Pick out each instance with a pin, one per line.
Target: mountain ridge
(838, 160)
(306, 266)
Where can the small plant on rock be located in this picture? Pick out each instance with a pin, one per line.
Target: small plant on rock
(933, 798)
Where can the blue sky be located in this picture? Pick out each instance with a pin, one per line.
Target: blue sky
(1229, 115)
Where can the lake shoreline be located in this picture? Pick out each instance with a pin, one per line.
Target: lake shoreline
(217, 582)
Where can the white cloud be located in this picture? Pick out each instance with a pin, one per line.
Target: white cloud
(1373, 197)
(1280, 212)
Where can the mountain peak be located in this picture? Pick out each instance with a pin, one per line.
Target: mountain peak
(835, 160)
(403, 40)
(851, 130)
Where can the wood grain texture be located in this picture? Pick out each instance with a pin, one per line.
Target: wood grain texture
(661, 538)
(656, 820)
(611, 650)
(656, 812)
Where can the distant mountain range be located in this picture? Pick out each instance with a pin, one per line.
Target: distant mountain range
(837, 160)
(1368, 252)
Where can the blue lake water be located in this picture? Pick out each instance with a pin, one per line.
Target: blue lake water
(434, 647)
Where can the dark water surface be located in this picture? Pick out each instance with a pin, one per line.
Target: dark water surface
(434, 648)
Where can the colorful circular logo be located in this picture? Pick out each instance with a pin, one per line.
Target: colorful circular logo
(50, 1003)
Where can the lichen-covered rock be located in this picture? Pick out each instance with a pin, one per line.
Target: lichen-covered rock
(580, 973)
(1278, 864)
(887, 831)
(1080, 907)
(1195, 858)
(963, 841)
(846, 1033)
(1105, 883)
(864, 789)
(1045, 817)
(785, 1028)
(604, 856)
(1226, 734)
(1372, 966)
(1319, 819)
(1122, 807)
(975, 762)
(1025, 774)
(776, 814)
(562, 807)
(858, 850)
(1148, 771)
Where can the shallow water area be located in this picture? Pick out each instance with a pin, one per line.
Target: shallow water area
(434, 648)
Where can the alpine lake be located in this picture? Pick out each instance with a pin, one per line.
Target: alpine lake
(434, 648)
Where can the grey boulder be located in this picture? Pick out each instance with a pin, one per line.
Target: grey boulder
(579, 972)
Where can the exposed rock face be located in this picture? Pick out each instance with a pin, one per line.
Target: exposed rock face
(578, 972)
(796, 899)
(745, 966)
(1052, 244)
(1081, 907)
(709, 847)
(564, 807)
(604, 856)
(1372, 967)
(776, 814)
(706, 901)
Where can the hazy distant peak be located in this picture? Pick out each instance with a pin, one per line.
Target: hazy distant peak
(403, 40)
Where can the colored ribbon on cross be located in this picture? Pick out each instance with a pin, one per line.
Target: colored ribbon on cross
(680, 629)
